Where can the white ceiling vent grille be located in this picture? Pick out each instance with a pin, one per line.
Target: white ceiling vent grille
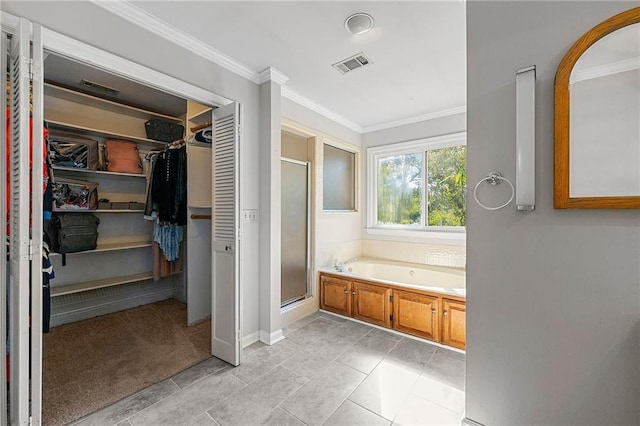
(99, 87)
(353, 63)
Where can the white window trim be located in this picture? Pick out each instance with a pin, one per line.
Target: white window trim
(441, 235)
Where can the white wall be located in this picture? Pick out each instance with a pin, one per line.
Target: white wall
(553, 311)
(93, 25)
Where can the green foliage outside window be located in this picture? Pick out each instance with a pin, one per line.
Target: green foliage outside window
(447, 186)
(400, 185)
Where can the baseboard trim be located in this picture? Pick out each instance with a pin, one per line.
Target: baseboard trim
(250, 339)
(271, 338)
(468, 422)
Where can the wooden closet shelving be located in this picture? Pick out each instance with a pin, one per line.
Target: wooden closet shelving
(123, 254)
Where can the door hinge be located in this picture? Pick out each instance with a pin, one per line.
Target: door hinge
(391, 317)
(238, 129)
(391, 299)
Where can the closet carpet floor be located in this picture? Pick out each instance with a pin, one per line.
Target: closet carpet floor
(93, 363)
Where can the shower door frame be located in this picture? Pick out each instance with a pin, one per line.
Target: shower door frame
(308, 290)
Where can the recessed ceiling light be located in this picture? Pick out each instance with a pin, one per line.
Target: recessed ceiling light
(359, 23)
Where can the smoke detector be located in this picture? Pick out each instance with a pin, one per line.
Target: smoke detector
(352, 63)
(359, 23)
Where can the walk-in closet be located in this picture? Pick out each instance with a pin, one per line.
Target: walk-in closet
(134, 306)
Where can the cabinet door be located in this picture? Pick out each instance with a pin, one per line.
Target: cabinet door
(416, 314)
(372, 303)
(454, 315)
(335, 295)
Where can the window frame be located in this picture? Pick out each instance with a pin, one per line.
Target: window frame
(445, 234)
(356, 174)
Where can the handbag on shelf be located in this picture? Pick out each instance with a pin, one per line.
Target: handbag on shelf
(122, 157)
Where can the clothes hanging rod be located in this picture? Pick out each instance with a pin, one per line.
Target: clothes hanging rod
(201, 216)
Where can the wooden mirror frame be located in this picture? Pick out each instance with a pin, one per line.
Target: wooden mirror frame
(562, 199)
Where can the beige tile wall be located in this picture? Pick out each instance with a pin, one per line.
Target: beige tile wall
(428, 254)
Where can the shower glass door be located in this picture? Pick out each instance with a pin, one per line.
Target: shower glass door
(294, 231)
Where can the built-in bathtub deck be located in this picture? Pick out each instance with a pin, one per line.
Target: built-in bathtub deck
(422, 300)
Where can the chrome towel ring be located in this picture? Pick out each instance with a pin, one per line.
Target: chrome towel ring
(493, 179)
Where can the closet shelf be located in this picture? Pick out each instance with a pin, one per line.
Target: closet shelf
(99, 172)
(201, 116)
(202, 144)
(96, 211)
(105, 104)
(97, 133)
(112, 247)
(106, 282)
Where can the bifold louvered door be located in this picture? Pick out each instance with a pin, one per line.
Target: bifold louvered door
(225, 292)
(26, 103)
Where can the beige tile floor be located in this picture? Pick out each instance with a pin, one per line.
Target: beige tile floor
(328, 371)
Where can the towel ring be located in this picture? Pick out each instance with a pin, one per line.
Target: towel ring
(493, 178)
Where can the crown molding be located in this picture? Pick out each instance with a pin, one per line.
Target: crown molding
(296, 97)
(141, 18)
(418, 118)
(606, 69)
(272, 74)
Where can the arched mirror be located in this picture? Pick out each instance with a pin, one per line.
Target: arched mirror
(597, 118)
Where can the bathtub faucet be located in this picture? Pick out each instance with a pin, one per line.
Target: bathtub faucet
(339, 266)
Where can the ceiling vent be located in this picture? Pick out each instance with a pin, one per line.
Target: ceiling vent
(353, 63)
(96, 87)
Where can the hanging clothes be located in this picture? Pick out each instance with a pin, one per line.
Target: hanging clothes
(167, 206)
(169, 186)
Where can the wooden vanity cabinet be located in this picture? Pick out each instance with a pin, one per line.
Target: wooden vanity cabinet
(371, 303)
(416, 314)
(454, 315)
(432, 316)
(335, 295)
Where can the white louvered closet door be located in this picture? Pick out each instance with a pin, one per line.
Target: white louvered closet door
(26, 203)
(25, 283)
(225, 292)
(4, 46)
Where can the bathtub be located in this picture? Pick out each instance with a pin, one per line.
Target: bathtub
(437, 279)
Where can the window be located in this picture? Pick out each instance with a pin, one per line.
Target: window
(339, 179)
(419, 185)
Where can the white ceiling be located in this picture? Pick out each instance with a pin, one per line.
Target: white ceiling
(418, 51)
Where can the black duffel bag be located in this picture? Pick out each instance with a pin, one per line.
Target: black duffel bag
(73, 232)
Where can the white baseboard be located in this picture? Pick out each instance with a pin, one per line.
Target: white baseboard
(250, 339)
(468, 422)
(273, 338)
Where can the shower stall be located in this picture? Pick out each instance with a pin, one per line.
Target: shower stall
(295, 230)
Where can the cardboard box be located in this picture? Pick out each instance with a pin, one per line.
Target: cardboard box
(136, 206)
(120, 206)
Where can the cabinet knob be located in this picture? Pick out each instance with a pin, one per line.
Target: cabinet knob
(433, 310)
(346, 291)
(353, 292)
(444, 313)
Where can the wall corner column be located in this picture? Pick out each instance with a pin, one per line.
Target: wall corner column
(270, 81)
